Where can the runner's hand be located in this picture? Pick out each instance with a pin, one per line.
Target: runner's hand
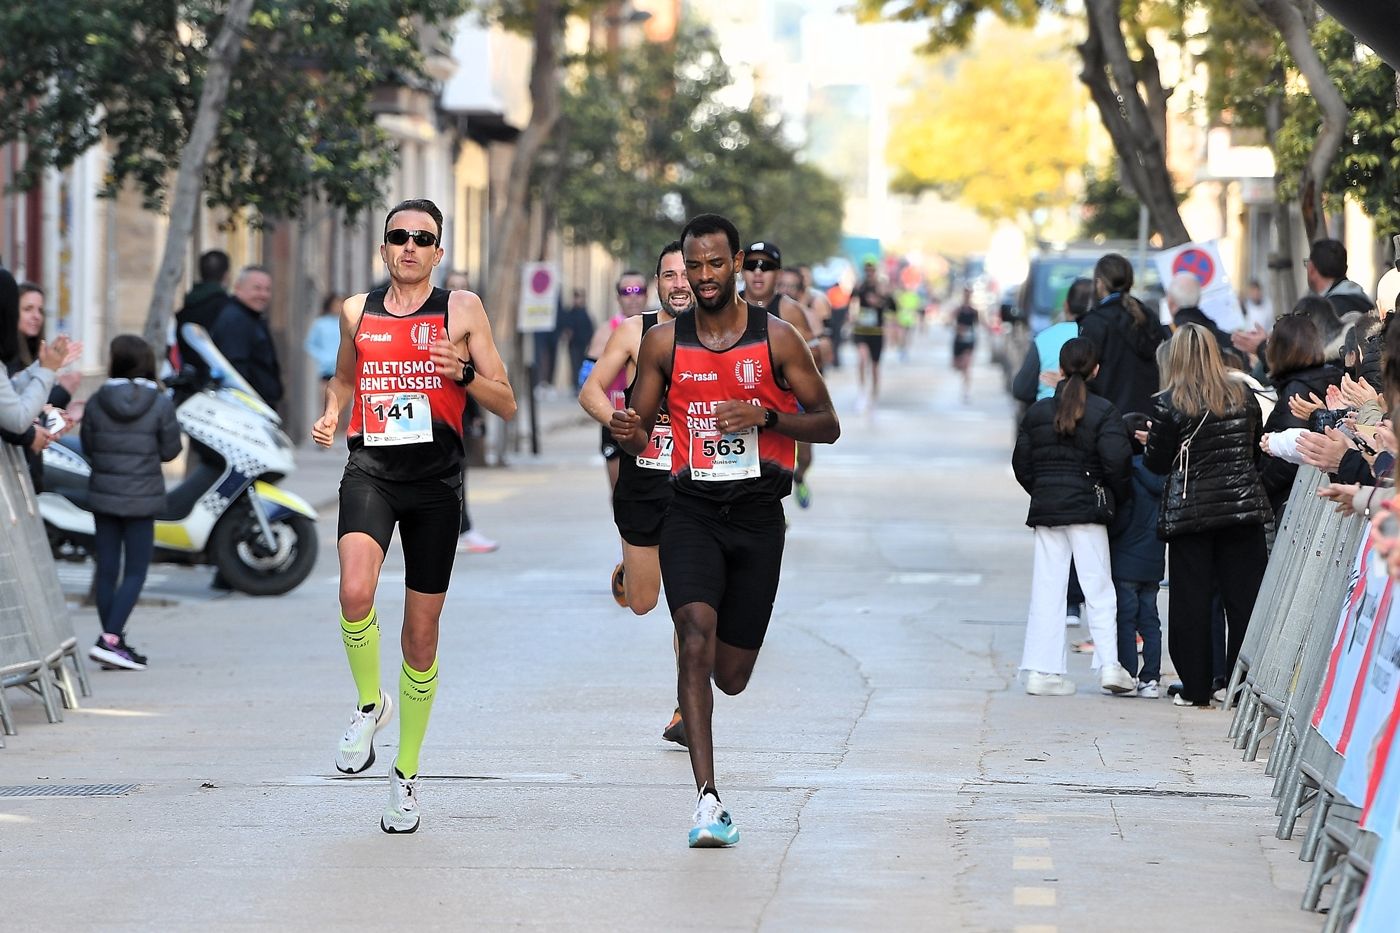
(446, 361)
(626, 427)
(323, 431)
(734, 416)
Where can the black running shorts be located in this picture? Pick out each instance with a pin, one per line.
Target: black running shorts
(639, 520)
(427, 511)
(610, 448)
(875, 343)
(727, 557)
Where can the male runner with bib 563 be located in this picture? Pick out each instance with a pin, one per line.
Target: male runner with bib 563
(733, 377)
(409, 355)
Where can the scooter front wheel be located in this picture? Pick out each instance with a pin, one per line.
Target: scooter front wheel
(245, 561)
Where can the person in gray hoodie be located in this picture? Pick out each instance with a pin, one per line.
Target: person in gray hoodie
(128, 430)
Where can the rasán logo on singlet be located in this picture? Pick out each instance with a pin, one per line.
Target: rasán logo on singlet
(423, 334)
(748, 372)
(375, 338)
(688, 376)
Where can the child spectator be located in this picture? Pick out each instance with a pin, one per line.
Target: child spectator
(128, 429)
(1139, 560)
(1072, 455)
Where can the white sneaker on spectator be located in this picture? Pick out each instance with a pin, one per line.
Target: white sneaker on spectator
(1114, 678)
(1049, 685)
(474, 542)
(1149, 689)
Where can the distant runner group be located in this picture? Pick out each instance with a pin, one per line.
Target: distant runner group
(706, 403)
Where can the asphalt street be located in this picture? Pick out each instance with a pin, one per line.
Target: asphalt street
(885, 768)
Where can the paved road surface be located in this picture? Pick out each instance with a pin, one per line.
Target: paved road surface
(884, 767)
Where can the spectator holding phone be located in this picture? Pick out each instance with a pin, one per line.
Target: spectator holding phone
(1295, 358)
(25, 392)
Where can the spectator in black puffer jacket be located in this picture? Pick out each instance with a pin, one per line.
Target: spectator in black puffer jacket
(1125, 337)
(1297, 369)
(128, 429)
(1205, 439)
(1072, 455)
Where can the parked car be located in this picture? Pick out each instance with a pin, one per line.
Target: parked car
(1042, 295)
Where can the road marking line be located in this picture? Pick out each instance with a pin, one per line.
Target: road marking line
(1031, 842)
(1033, 897)
(1032, 863)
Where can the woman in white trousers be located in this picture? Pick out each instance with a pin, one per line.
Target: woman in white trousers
(1074, 457)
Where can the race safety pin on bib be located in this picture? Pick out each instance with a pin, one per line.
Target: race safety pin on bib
(397, 418)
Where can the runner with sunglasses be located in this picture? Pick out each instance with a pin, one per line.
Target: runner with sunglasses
(409, 356)
(631, 301)
(741, 387)
(643, 491)
(763, 268)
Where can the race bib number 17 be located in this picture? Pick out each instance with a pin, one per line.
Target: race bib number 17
(657, 456)
(394, 418)
(724, 458)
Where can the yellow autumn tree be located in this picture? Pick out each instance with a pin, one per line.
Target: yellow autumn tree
(998, 127)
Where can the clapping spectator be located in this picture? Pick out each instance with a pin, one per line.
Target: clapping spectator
(1295, 358)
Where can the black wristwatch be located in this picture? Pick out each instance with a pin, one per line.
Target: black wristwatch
(770, 418)
(468, 372)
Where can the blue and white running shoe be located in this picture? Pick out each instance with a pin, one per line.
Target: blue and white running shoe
(713, 828)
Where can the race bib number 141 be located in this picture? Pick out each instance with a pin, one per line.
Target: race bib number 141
(394, 418)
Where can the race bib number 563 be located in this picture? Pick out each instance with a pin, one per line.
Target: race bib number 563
(393, 418)
(723, 458)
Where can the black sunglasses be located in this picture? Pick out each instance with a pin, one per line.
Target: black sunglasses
(422, 238)
(760, 265)
(631, 289)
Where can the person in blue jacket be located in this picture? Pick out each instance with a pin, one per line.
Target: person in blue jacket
(1034, 380)
(1138, 560)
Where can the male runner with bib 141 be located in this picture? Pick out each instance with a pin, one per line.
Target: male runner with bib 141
(643, 491)
(740, 386)
(409, 355)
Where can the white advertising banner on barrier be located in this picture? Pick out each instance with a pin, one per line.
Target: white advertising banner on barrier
(1351, 649)
(539, 296)
(1219, 301)
(1370, 709)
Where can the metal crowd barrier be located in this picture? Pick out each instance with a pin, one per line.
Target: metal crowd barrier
(1318, 684)
(36, 633)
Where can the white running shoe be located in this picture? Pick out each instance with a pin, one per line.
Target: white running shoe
(712, 829)
(356, 752)
(474, 542)
(1149, 689)
(401, 815)
(1114, 678)
(1049, 685)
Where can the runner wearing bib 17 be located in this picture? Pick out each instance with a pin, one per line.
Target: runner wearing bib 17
(409, 355)
(741, 387)
(643, 491)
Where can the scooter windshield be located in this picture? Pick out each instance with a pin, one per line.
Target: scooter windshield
(220, 369)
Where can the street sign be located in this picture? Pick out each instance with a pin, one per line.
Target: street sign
(539, 296)
(1219, 301)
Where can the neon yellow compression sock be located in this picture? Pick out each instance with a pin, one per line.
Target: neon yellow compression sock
(362, 648)
(416, 692)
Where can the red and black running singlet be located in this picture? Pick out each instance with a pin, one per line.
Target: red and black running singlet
(406, 422)
(647, 475)
(750, 464)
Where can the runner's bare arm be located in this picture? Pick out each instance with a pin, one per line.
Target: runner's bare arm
(620, 350)
(792, 312)
(472, 342)
(632, 427)
(817, 422)
(341, 386)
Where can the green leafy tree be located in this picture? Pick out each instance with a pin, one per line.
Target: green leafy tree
(251, 104)
(646, 142)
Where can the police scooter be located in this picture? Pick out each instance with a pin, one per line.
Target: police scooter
(228, 511)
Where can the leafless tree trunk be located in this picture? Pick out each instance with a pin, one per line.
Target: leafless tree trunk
(1112, 79)
(1288, 19)
(189, 180)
